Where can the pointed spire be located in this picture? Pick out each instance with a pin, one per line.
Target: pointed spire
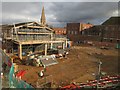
(43, 19)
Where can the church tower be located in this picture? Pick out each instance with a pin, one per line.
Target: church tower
(43, 19)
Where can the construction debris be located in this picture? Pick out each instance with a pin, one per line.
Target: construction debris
(48, 60)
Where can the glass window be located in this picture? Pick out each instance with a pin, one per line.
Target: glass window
(75, 32)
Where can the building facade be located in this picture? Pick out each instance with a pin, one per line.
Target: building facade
(74, 30)
(109, 31)
(60, 31)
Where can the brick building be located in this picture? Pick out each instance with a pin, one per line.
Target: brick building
(74, 30)
(60, 31)
(109, 31)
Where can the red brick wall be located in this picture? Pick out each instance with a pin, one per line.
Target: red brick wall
(60, 31)
(74, 30)
(109, 33)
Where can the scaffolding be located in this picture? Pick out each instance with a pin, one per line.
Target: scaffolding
(31, 34)
(34, 36)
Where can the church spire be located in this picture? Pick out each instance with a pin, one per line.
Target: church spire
(43, 19)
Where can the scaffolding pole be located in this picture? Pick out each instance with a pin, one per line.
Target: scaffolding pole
(63, 45)
(46, 49)
(51, 45)
(20, 51)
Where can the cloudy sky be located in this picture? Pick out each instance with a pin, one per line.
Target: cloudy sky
(58, 13)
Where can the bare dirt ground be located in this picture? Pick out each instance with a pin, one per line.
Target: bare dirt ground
(79, 66)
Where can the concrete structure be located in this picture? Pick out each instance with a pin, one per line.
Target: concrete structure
(26, 37)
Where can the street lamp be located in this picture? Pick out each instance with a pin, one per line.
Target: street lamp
(99, 73)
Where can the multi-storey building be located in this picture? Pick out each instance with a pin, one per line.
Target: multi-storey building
(109, 31)
(74, 30)
(30, 37)
(60, 31)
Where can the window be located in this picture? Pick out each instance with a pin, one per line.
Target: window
(75, 32)
(72, 32)
(69, 32)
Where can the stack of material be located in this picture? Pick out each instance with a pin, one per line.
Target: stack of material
(48, 60)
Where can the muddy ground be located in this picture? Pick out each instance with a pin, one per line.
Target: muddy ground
(80, 65)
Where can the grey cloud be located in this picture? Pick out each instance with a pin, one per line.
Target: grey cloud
(72, 12)
(0, 12)
(61, 1)
(60, 13)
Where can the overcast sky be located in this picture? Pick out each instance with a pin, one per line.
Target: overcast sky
(58, 13)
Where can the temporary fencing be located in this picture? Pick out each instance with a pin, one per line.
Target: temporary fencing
(17, 82)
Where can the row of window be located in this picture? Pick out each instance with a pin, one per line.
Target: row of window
(60, 31)
(73, 32)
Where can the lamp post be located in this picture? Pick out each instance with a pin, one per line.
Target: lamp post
(99, 73)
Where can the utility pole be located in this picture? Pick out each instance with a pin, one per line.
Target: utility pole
(99, 73)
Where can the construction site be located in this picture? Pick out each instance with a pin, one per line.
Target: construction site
(34, 57)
